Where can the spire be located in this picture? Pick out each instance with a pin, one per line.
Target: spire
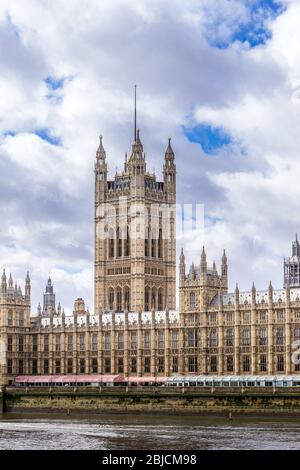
(135, 116)
(101, 154)
(224, 257)
(169, 155)
(27, 286)
(10, 282)
(3, 283)
(182, 257)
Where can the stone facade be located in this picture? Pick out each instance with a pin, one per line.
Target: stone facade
(135, 329)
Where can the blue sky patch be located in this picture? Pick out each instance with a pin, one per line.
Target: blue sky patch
(210, 138)
(255, 31)
(54, 83)
(45, 134)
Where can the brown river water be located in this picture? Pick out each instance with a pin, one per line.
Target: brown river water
(111, 432)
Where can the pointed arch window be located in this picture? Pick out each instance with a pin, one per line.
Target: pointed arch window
(147, 299)
(153, 298)
(160, 244)
(127, 298)
(111, 298)
(119, 243)
(160, 298)
(111, 244)
(119, 299)
(192, 301)
(127, 243)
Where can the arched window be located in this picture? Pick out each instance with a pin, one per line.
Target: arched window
(213, 339)
(119, 300)
(127, 243)
(10, 318)
(153, 245)
(147, 299)
(111, 244)
(127, 298)
(297, 334)
(160, 244)
(21, 319)
(153, 298)
(111, 298)
(119, 243)
(192, 301)
(160, 299)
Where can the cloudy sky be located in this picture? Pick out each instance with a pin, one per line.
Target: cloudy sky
(221, 77)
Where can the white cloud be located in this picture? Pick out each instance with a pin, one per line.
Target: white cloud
(103, 48)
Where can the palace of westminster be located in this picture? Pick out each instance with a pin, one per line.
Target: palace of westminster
(135, 329)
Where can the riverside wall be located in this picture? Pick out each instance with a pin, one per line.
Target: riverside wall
(151, 401)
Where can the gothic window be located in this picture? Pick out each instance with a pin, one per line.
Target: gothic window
(161, 365)
(94, 365)
(213, 339)
(160, 299)
(229, 337)
(297, 334)
(21, 366)
(10, 318)
(174, 340)
(160, 244)
(262, 336)
(119, 243)
(9, 343)
(279, 337)
(120, 365)
(213, 364)
(21, 319)
(246, 363)
(147, 340)
(160, 339)
(46, 366)
(229, 363)
(82, 366)
(192, 338)
(174, 364)
(107, 342)
(280, 363)
(147, 299)
(119, 299)
(127, 243)
(153, 298)
(192, 301)
(111, 244)
(133, 340)
(127, 298)
(147, 365)
(111, 299)
(192, 364)
(246, 337)
(263, 363)
(133, 365)
(153, 245)
(70, 343)
(82, 341)
(21, 344)
(57, 343)
(94, 342)
(121, 341)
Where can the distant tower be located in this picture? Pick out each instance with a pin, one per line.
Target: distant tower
(292, 266)
(49, 297)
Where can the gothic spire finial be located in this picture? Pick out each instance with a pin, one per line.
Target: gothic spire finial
(135, 115)
(101, 154)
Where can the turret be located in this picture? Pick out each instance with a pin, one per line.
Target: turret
(3, 284)
(224, 273)
(237, 295)
(270, 293)
(182, 268)
(203, 267)
(27, 287)
(169, 171)
(253, 294)
(101, 165)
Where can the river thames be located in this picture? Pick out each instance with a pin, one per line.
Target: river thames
(111, 432)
